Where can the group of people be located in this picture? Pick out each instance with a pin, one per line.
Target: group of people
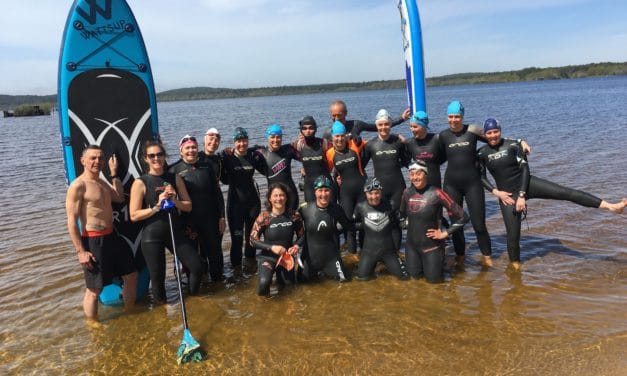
(301, 242)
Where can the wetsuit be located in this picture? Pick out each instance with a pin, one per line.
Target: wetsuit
(355, 127)
(156, 237)
(423, 210)
(379, 224)
(207, 208)
(347, 165)
(430, 151)
(242, 205)
(462, 180)
(508, 165)
(312, 152)
(388, 156)
(322, 250)
(279, 169)
(276, 230)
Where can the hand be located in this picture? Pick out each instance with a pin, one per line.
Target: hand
(221, 225)
(338, 179)
(302, 172)
(113, 165)
(406, 114)
(293, 250)
(437, 234)
(521, 204)
(170, 191)
(401, 137)
(163, 196)
(228, 151)
(505, 197)
(85, 258)
(526, 147)
(278, 249)
(190, 233)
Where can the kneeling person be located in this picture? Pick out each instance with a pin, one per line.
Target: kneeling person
(98, 249)
(380, 225)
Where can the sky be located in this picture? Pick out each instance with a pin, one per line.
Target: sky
(256, 43)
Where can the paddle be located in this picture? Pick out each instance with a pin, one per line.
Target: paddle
(189, 349)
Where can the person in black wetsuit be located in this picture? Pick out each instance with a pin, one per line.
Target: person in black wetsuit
(283, 236)
(354, 128)
(388, 154)
(321, 253)
(379, 222)
(278, 159)
(426, 147)
(206, 220)
(312, 152)
(344, 159)
(421, 206)
(147, 194)
(242, 205)
(462, 180)
(507, 162)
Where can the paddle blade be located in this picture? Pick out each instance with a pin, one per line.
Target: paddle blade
(189, 349)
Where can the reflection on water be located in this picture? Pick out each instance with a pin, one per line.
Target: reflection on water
(564, 314)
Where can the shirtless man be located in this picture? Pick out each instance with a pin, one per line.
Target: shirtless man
(88, 200)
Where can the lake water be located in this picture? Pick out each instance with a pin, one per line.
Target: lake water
(564, 314)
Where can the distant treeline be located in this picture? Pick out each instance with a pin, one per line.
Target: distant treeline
(527, 74)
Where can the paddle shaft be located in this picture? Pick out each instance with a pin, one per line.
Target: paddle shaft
(176, 271)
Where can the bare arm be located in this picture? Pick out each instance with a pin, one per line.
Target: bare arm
(138, 191)
(183, 202)
(73, 203)
(117, 191)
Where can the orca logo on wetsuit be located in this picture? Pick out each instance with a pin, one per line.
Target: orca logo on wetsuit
(498, 155)
(376, 221)
(282, 224)
(416, 203)
(424, 156)
(314, 158)
(385, 152)
(459, 144)
(321, 224)
(343, 161)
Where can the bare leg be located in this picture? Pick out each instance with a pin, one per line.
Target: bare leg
(616, 208)
(90, 303)
(129, 290)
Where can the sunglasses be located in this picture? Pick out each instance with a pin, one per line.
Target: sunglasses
(372, 186)
(155, 155)
(186, 139)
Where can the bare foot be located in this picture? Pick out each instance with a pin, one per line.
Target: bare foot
(616, 208)
(487, 261)
(515, 265)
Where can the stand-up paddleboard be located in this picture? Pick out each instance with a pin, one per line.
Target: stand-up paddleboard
(107, 97)
(414, 62)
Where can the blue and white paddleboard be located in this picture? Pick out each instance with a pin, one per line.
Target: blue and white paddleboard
(107, 97)
(414, 62)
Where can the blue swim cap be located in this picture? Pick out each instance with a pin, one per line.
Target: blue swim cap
(490, 124)
(421, 118)
(338, 128)
(455, 108)
(274, 130)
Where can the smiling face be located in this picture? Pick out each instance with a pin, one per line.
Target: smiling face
(212, 143)
(339, 141)
(455, 122)
(189, 152)
(274, 142)
(374, 197)
(418, 178)
(241, 145)
(493, 136)
(277, 199)
(155, 158)
(383, 128)
(323, 197)
(418, 130)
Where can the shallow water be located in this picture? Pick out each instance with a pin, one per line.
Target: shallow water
(564, 314)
